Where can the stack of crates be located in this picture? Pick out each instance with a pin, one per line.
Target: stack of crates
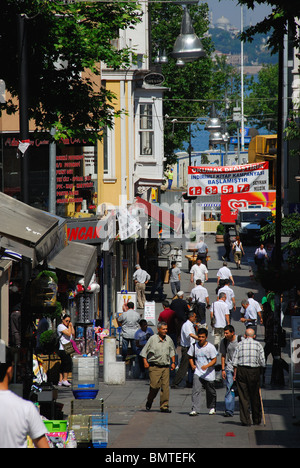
(90, 429)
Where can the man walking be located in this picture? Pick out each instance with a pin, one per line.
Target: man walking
(200, 299)
(247, 361)
(198, 271)
(157, 353)
(230, 296)
(168, 316)
(203, 357)
(202, 250)
(181, 309)
(223, 274)
(249, 315)
(188, 337)
(227, 348)
(175, 275)
(220, 317)
(141, 278)
(129, 321)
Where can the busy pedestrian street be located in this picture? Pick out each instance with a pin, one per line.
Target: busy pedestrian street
(131, 426)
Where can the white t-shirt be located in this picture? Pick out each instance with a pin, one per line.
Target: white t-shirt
(63, 339)
(18, 418)
(202, 356)
(229, 295)
(186, 329)
(199, 272)
(220, 309)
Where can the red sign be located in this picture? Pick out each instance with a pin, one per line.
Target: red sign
(230, 203)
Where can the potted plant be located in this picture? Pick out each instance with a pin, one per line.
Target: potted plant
(220, 233)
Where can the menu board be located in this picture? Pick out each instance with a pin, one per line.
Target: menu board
(70, 179)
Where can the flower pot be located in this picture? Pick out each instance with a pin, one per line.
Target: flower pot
(219, 238)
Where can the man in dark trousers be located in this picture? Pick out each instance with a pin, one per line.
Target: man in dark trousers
(247, 362)
(181, 309)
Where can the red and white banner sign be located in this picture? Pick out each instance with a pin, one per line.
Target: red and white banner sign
(214, 180)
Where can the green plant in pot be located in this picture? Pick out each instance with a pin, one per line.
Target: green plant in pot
(48, 341)
(220, 233)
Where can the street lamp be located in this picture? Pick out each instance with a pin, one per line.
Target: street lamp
(188, 46)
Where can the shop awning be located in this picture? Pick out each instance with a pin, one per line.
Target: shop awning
(26, 230)
(78, 259)
(162, 216)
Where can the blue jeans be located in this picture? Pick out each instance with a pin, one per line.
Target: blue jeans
(229, 396)
(125, 343)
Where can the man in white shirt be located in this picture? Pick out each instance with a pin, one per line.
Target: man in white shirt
(255, 304)
(198, 271)
(260, 256)
(200, 299)
(18, 418)
(202, 250)
(224, 273)
(187, 338)
(230, 296)
(141, 278)
(220, 314)
(249, 315)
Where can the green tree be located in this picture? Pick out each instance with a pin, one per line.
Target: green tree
(261, 105)
(64, 41)
(283, 17)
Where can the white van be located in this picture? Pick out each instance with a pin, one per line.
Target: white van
(249, 221)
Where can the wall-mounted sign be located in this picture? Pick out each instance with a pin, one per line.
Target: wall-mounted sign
(69, 178)
(154, 79)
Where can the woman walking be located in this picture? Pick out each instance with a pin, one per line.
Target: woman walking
(238, 252)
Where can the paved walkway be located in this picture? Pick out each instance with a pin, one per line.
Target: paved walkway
(131, 426)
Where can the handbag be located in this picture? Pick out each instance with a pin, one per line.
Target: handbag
(69, 348)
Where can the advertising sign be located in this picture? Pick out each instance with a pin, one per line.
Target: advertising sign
(122, 298)
(230, 203)
(214, 180)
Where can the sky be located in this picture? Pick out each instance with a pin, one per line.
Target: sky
(232, 11)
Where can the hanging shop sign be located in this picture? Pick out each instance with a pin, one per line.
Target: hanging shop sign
(154, 79)
(217, 180)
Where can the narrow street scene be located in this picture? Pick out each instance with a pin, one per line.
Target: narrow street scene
(149, 226)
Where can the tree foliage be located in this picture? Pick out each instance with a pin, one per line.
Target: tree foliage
(284, 17)
(261, 102)
(64, 41)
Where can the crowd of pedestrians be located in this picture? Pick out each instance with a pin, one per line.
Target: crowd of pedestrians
(184, 324)
(187, 321)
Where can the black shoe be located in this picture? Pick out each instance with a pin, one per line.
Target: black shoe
(165, 410)
(148, 406)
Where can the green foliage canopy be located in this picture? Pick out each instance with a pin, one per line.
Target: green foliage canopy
(64, 40)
